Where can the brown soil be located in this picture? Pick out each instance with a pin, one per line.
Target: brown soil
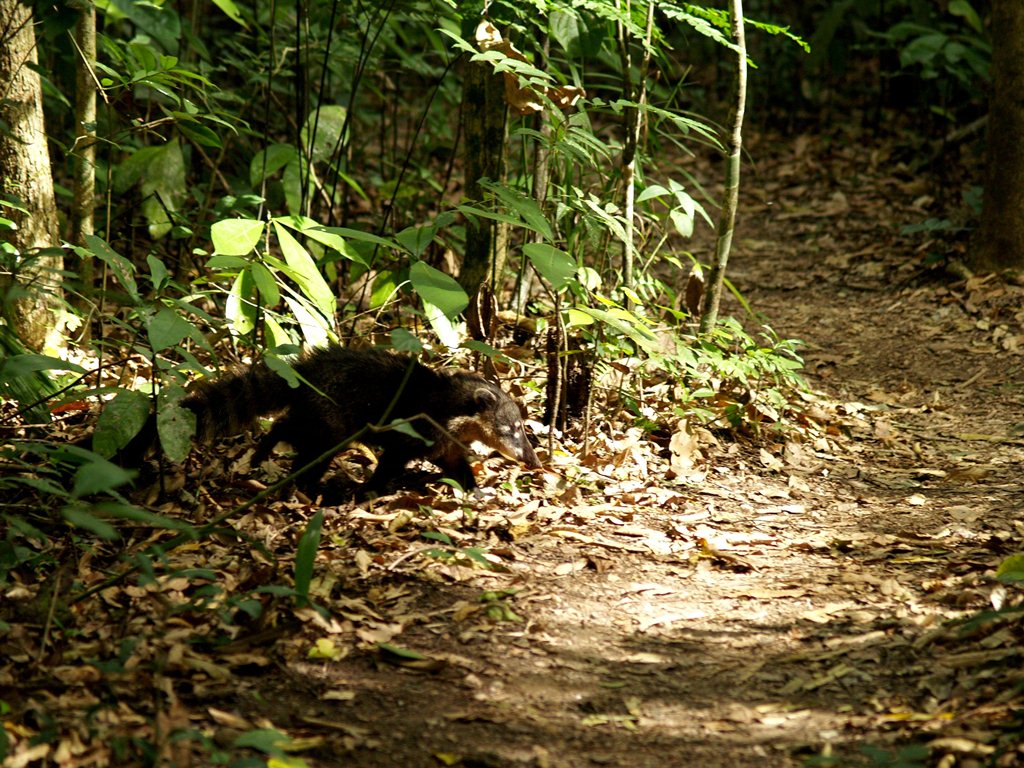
(793, 602)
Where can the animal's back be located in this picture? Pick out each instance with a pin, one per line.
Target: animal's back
(348, 390)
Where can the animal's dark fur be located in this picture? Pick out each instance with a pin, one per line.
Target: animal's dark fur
(349, 389)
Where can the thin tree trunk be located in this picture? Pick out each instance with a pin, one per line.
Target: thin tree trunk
(30, 281)
(483, 129)
(727, 220)
(1001, 241)
(83, 205)
(634, 122)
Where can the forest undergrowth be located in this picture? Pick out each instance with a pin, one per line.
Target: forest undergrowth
(656, 595)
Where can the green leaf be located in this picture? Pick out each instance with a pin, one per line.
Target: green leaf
(626, 323)
(964, 9)
(231, 11)
(175, 425)
(121, 420)
(266, 285)
(385, 286)
(305, 272)
(444, 538)
(161, 23)
(315, 328)
(158, 273)
(360, 236)
(122, 268)
(166, 329)
(99, 476)
(404, 341)
(332, 240)
(17, 366)
(416, 239)
(443, 326)
(305, 555)
(524, 206)
(266, 740)
(403, 653)
(239, 309)
(236, 237)
(1011, 569)
(554, 265)
(163, 187)
(199, 133)
(80, 518)
(328, 139)
(437, 288)
(269, 161)
(221, 262)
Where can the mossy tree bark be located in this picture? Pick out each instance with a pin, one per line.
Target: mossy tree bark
(1000, 244)
(31, 259)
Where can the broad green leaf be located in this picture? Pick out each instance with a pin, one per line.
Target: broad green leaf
(163, 187)
(291, 183)
(437, 288)
(166, 329)
(416, 239)
(282, 369)
(385, 286)
(328, 141)
(577, 318)
(314, 231)
(274, 334)
(158, 273)
(445, 328)
(554, 265)
(236, 237)
(239, 309)
(231, 11)
(227, 263)
(305, 272)
(266, 285)
(1011, 569)
(269, 161)
(99, 476)
(161, 23)
(122, 268)
(314, 327)
(175, 425)
(404, 341)
(654, 190)
(964, 9)
(121, 420)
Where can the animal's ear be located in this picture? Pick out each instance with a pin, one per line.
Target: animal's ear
(484, 397)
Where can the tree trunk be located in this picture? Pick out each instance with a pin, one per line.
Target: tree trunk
(483, 130)
(31, 257)
(1001, 241)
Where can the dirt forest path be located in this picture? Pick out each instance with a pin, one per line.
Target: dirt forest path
(794, 601)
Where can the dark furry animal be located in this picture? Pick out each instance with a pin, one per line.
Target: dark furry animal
(345, 390)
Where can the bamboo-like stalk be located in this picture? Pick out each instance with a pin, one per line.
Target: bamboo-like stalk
(83, 204)
(634, 123)
(727, 220)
